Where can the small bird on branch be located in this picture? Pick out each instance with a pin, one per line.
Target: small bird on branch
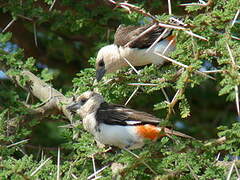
(118, 125)
(135, 44)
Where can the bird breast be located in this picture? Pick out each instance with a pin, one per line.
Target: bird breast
(120, 136)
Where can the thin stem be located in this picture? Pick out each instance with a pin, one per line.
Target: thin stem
(8, 25)
(235, 18)
(135, 155)
(58, 164)
(157, 40)
(39, 167)
(134, 92)
(169, 7)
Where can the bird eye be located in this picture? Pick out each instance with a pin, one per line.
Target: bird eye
(101, 63)
(83, 101)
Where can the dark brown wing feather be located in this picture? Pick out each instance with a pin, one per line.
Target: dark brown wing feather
(125, 34)
(121, 115)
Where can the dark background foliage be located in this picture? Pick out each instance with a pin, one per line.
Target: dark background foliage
(59, 44)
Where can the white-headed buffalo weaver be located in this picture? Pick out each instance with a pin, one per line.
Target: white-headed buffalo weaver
(118, 125)
(110, 58)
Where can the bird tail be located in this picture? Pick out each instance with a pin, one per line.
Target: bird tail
(167, 131)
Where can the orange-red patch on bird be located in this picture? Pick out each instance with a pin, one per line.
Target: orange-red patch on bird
(172, 37)
(148, 131)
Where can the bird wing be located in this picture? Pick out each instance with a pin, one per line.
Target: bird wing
(121, 115)
(125, 34)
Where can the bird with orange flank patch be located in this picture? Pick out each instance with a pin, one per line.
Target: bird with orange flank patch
(118, 125)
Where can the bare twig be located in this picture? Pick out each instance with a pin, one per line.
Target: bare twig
(214, 71)
(236, 87)
(27, 98)
(17, 143)
(192, 4)
(178, 21)
(169, 44)
(24, 17)
(39, 167)
(235, 37)
(142, 84)
(74, 176)
(134, 92)
(174, 100)
(136, 71)
(8, 25)
(182, 65)
(169, 7)
(157, 40)
(165, 94)
(218, 141)
(201, 3)
(131, 8)
(141, 34)
(50, 9)
(171, 60)
(218, 156)
(94, 166)
(97, 172)
(230, 171)
(236, 169)
(231, 55)
(111, 1)
(196, 35)
(171, 26)
(58, 165)
(235, 18)
(35, 34)
(237, 99)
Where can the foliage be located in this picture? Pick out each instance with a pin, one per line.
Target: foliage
(72, 32)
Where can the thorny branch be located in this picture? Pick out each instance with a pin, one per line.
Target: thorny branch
(53, 99)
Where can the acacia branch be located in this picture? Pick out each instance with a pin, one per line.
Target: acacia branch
(53, 100)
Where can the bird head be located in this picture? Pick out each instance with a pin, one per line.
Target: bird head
(107, 60)
(86, 103)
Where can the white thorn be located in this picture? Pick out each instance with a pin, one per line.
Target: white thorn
(235, 18)
(134, 92)
(230, 171)
(97, 172)
(50, 9)
(136, 71)
(169, 7)
(58, 165)
(17, 143)
(94, 166)
(9, 24)
(158, 39)
(39, 167)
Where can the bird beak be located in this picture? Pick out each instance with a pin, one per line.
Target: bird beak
(100, 73)
(74, 106)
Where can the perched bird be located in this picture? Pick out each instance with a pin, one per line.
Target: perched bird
(130, 45)
(117, 125)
